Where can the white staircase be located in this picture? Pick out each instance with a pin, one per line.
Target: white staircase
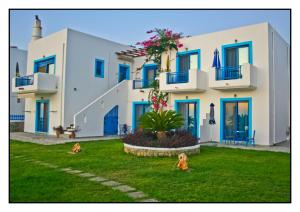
(90, 119)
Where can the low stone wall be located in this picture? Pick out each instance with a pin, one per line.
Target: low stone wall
(16, 126)
(163, 152)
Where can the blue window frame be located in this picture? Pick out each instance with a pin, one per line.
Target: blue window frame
(138, 109)
(45, 65)
(99, 68)
(190, 106)
(188, 60)
(235, 115)
(124, 72)
(234, 55)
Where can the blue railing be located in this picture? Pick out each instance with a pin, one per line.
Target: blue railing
(177, 77)
(140, 84)
(228, 73)
(25, 80)
(15, 117)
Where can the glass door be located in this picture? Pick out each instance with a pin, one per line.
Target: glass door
(236, 120)
(149, 75)
(188, 111)
(42, 116)
(140, 109)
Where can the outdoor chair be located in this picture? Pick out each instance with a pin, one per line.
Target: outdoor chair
(124, 129)
(251, 140)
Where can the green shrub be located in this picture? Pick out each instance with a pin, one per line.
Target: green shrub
(161, 121)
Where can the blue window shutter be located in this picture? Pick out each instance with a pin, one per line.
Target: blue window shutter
(99, 68)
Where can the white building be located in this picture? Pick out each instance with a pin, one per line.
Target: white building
(18, 61)
(76, 78)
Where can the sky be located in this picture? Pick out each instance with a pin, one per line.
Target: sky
(130, 26)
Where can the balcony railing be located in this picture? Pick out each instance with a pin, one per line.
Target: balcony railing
(228, 73)
(24, 81)
(177, 77)
(140, 84)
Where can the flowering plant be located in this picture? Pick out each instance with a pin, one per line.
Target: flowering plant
(160, 41)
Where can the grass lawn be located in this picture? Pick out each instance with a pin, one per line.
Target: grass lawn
(216, 175)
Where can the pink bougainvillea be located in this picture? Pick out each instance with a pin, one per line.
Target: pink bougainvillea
(161, 41)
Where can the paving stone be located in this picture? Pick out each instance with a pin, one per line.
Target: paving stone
(137, 195)
(86, 175)
(19, 156)
(149, 200)
(111, 183)
(66, 169)
(52, 166)
(124, 188)
(74, 171)
(98, 179)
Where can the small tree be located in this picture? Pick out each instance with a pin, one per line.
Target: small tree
(159, 121)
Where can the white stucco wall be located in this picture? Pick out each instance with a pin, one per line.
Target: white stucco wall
(54, 44)
(207, 43)
(82, 51)
(279, 86)
(16, 56)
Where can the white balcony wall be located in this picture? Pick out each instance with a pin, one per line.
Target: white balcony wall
(43, 83)
(197, 82)
(247, 81)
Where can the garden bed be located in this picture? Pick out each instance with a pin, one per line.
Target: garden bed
(174, 143)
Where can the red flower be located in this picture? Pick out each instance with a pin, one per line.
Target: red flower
(168, 33)
(179, 45)
(150, 31)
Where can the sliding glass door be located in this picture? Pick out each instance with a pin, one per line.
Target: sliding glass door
(189, 112)
(236, 120)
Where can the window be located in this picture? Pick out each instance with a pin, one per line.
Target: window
(99, 68)
(45, 65)
(18, 100)
(188, 60)
(237, 54)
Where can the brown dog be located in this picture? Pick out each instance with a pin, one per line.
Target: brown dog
(182, 162)
(76, 148)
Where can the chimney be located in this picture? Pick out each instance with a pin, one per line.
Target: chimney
(36, 29)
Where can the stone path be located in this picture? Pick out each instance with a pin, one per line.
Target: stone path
(51, 140)
(135, 194)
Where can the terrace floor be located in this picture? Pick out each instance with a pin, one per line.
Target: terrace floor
(51, 140)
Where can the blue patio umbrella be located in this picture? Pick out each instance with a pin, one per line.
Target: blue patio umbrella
(216, 62)
(17, 70)
(211, 121)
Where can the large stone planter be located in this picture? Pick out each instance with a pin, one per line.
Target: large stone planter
(157, 151)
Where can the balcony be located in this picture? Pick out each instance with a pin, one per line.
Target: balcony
(189, 81)
(226, 78)
(38, 83)
(142, 84)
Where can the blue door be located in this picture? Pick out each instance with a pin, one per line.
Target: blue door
(123, 72)
(111, 122)
(42, 116)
